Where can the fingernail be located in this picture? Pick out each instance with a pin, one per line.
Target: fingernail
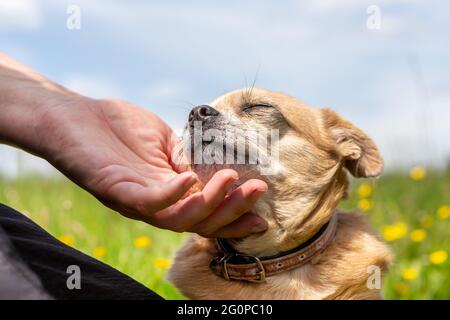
(230, 183)
(190, 180)
(262, 226)
(257, 193)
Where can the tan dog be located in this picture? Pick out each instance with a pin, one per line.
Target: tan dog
(315, 148)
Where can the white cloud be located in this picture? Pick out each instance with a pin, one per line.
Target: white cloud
(171, 100)
(439, 115)
(93, 86)
(329, 6)
(296, 49)
(319, 51)
(167, 90)
(20, 14)
(392, 24)
(408, 129)
(17, 162)
(334, 6)
(9, 160)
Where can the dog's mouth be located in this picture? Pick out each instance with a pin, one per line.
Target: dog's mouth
(213, 153)
(213, 141)
(221, 146)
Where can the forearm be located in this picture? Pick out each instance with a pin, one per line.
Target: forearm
(26, 98)
(121, 154)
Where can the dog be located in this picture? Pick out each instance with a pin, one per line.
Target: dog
(311, 250)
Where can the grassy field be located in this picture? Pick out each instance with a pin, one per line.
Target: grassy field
(409, 209)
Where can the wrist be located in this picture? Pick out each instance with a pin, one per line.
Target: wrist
(57, 123)
(31, 114)
(27, 101)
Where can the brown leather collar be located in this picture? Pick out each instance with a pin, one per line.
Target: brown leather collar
(233, 265)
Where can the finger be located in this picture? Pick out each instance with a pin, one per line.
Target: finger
(178, 159)
(239, 202)
(145, 200)
(157, 198)
(195, 208)
(248, 223)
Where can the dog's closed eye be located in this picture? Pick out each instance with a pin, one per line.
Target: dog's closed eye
(251, 107)
(264, 113)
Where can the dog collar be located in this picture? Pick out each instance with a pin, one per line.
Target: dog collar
(233, 265)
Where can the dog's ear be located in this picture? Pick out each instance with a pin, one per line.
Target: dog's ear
(359, 153)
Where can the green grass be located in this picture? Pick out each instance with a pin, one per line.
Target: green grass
(67, 211)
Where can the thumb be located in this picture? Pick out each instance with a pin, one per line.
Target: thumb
(170, 192)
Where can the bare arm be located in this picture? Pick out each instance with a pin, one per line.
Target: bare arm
(120, 153)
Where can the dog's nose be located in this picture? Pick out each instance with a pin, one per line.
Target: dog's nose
(202, 112)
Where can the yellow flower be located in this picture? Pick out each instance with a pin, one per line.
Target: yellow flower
(444, 212)
(427, 221)
(162, 263)
(409, 274)
(418, 235)
(438, 257)
(418, 173)
(142, 242)
(402, 289)
(395, 231)
(67, 239)
(99, 252)
(11, 195)
(365, 190)
(67, 204)
(365, 204)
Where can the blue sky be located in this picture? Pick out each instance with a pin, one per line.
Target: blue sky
(169, 55)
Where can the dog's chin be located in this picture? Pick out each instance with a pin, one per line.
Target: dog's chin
(206, 171)
(210, 164)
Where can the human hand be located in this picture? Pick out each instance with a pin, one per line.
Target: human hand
(122, 155)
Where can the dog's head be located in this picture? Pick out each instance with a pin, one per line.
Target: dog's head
(301, 152)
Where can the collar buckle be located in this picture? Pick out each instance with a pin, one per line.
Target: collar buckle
(260, 274)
